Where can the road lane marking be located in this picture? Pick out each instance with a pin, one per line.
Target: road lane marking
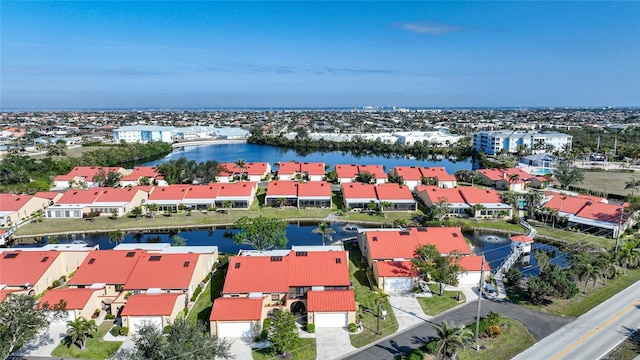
(596, 330)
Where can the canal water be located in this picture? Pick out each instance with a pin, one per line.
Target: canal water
(273, 154)
(496, 247)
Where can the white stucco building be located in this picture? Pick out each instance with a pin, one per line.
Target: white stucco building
(493, 142)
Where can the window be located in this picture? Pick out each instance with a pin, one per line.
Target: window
(275, 297)
(276, 258)
(91, 261)
(186, 264)
(235, 295)
(131, 254)
(155, 258)
(11, 256)
(237, 266)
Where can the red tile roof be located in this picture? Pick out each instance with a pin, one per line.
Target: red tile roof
(437, 172)
(236, 309)
(87, 172)
(376, 170)
(76, 299)
(4, 293)
(313, 168)
(505, 174)
(434, 193)
(392, 192)
(268, 275)
(117, 194)
(566, 204)
(395, 269)
(331, 301)
(282, 188)
(521, 239)
(332, 269)
(256, 274)
(416, 173)
(10, 202)
(163, 271)
(408, 173)
(288, 167)
(473, 263)
(241, 189)
(150, 304)
(141, 171)
(49, 195)
(106, 267)
(79, 196)
(402, 244)
(209, 191)
(473, 195)
(21, 267)
(346, 170)
(359, 191)
(251, 168)
(171, 192)
(602, 212)
(314, 189)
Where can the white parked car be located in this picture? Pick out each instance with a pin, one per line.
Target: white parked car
(489, 292)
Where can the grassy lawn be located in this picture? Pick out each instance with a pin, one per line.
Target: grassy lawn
(502, 225)
(306, 350)
(96, 348)
(366, 298)
(515, 339)
(572, 237)
(436, 304)
(202, 308)
(580, 303)
(606, 181)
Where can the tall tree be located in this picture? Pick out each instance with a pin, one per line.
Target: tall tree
(324, 230)
(228, 204)
(21, 319)
(450, 338)
(177, 240)
(78, 331)
(283, 333)
(262, 233)
(116, 236)
(589, 271)
(439, 209)
(442, 269)
(185, 341)
(566, 173)
(365, 177)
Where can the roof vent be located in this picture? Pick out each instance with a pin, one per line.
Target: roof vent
(375, 238)
(186, 264)
(301, 253)
(11, 256)
(338, 261)
(155, 258)
(91, 261)
(44, 259)
(237, 265)
(131, 253)
(455, 235)
(276, 258)
(405, 232)
(422, 228)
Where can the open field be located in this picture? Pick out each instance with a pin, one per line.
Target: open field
(515, 338)
(607, 182)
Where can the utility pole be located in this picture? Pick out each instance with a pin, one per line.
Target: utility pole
(619, 230)
(480, 298)
(379, 316)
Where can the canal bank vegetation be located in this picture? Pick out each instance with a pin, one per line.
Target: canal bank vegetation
(304, 145)
(21, 174)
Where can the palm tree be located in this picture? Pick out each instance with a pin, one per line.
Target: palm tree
(227, 204)
(632, 184)
(178, 240)
(475, 209)
(450, 339)
(514, 178)
(79, 330)
(589, 271)
(242, 165)
(372, 205)
(385, 204)
(382, 298)
(626, 256)
(324, 230)
(607, 267)
(116, 236)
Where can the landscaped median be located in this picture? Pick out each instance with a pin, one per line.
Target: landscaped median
(95, 348)
(515, 338)
(435, 304)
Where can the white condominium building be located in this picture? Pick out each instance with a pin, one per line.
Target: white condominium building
(493, 142)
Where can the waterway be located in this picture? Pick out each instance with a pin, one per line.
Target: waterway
(274, 154)
(496, 247)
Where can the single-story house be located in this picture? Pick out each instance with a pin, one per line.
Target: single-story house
(358, 195)
(252, 171)
(413, 176)
(487, 203)
(347, 173)
(307, 171)
(78, 302)
(16, 208)
(432, 195)
(84, 176)
(157, 309)
(399, 196)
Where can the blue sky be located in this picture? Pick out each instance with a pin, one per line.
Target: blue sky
(318, 54)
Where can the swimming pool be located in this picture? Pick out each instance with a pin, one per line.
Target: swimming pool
(541, 171)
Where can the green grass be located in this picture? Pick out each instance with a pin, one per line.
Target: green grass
(572, 237)
(306, 350)
(96, 348)
(502, 225)
(515, 338)
(436, 304)
(202, 308)
(366, 298)
(581, 303)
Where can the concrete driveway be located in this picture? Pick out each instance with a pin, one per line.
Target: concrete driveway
(240, 348)
(332, 343)
(407, 310)
(45, 342)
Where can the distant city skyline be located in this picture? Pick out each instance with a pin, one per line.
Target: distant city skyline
(118, 55)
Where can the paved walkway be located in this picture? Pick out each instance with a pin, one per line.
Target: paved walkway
(240, 348)
(331, 343)
(407, 310)
(45, 342)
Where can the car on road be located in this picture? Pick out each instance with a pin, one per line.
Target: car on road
(489, 292)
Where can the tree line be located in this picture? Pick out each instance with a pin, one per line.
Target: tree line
(25, 174)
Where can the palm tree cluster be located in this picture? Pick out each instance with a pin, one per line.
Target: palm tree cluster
(451, 338)
(78, 331)
(183, 171)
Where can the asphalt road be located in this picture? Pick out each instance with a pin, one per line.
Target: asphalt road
(593, 334)
(540, 326)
